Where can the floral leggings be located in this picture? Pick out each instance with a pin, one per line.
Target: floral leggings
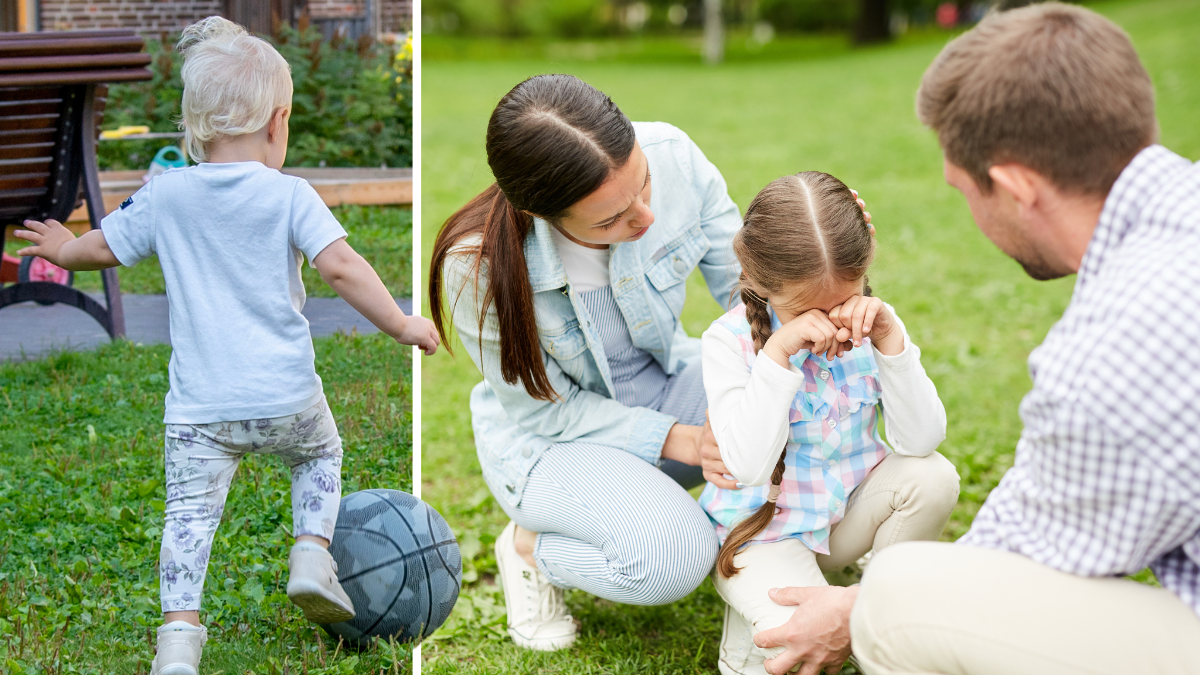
(201, 460)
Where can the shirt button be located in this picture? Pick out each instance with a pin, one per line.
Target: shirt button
(832, 423)
(680, 266)
(832, 462)
(824, 374)
(526, 452)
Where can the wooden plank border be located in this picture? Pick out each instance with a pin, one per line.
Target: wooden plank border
(336, 186)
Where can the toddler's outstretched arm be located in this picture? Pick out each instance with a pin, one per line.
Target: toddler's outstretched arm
(58, 245)
(353, 278)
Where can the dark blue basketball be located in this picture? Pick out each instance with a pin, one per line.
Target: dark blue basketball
(399, 563)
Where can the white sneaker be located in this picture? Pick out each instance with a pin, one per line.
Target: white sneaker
(179, 647)
(314, 587)
(738, 655)
(537, 615)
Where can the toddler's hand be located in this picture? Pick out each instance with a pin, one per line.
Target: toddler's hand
(861, 317)
(421, 332)
(812, 330)
(47, 239)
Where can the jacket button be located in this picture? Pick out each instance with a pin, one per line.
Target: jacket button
(526, 452)
(510, 487)
(680, 267)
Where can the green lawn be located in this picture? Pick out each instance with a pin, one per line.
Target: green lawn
(974, 313)
(81, 499)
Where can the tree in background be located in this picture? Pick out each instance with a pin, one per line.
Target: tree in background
(873, 23)
(714, 31)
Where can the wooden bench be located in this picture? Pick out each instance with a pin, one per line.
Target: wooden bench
(52, 94)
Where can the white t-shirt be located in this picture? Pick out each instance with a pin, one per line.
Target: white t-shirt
(586, 267)
(230, 238)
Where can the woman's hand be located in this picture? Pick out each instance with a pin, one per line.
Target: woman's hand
(861, 317)
(697, 446)
(813, 331)
(866, 214)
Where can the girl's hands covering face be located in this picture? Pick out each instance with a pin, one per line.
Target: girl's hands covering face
(861, 317)
(812, 331)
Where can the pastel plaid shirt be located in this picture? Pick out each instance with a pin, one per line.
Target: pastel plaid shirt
(833, 444)
(1106, 479)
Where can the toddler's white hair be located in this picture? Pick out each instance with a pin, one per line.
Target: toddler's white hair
(232, 82)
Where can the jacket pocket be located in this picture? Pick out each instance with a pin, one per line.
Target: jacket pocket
(564, 341)
(671, 264)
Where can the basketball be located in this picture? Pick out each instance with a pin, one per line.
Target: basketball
(399, 562)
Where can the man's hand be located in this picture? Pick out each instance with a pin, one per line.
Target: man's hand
(714, 467)
(53, 242)
(421, 332)
(817, 637)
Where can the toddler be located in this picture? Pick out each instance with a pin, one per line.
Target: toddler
(795, 378)
(231, 234)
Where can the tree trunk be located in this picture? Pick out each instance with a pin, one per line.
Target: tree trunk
(714, 32)
(872, 24)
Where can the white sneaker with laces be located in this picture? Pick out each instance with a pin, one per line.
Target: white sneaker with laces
(537, 615)
(313, 585)
(179, 647)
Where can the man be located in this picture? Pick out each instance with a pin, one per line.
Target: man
(1046, 119)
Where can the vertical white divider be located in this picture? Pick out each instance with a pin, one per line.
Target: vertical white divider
(418, 253)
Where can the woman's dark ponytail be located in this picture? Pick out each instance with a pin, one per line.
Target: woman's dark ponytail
(551, 141)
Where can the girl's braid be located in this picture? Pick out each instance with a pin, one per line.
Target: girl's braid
(758, 317)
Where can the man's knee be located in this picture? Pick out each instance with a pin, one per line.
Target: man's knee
(899, 581)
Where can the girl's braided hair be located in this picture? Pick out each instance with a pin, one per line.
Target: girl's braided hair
(803, 228)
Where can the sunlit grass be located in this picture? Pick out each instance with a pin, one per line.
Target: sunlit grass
(972, 311)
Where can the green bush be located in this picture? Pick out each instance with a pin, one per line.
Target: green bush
(542, 18)
(808, 15)
(352, 103)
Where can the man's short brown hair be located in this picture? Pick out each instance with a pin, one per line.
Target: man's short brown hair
(1053, 87)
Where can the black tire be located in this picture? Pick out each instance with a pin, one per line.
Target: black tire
(23, 275)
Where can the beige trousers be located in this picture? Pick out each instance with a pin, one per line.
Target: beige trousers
(902, 499)
(934, 608)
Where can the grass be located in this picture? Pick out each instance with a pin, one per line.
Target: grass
(382, 234)
(974, 313)
(81, 499)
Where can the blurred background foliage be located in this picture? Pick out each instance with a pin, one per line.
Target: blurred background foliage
(351, 106)
(572, 19)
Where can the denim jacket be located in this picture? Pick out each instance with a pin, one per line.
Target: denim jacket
(695, 221)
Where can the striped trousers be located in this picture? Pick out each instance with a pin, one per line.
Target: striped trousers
(615, 526)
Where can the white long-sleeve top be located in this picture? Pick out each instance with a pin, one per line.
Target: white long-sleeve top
(748, 408)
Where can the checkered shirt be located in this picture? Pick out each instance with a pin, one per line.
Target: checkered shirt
(1106, 479)
(834, 443)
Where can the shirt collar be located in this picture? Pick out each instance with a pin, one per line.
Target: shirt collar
(546, 270)
(1139, 181)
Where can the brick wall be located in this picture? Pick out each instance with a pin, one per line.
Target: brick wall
(153, 16)
(396, 15)
(146, 15)
(336, 9)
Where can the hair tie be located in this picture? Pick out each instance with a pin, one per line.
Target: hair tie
(773, 493)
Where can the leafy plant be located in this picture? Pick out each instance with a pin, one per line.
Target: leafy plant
(351, 104)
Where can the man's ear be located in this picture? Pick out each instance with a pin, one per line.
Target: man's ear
(1019, 181)
(278, 123)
